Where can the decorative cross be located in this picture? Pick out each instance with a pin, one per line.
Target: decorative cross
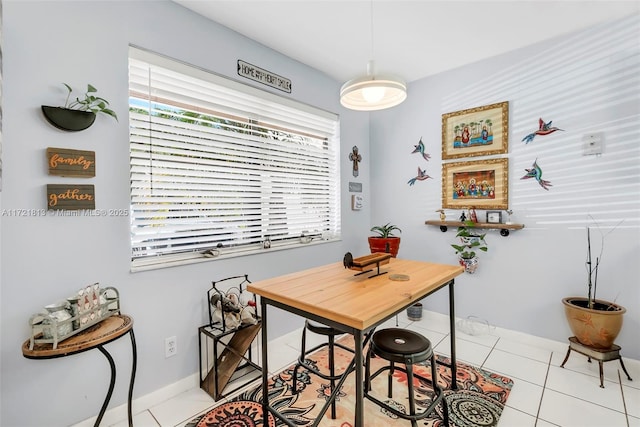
(355, 158)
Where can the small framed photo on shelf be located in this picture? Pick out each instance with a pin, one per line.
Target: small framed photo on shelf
(494, 217)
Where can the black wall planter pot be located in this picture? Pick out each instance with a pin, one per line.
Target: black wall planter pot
(66, 119)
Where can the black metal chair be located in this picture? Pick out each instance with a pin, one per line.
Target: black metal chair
(331, 334)
(397, 345)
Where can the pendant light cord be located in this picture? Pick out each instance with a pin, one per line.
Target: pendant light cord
(371, 17)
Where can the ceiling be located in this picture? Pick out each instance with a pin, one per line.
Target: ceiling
(411, 39)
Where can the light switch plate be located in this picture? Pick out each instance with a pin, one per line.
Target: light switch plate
(592, 143)
(356, 202)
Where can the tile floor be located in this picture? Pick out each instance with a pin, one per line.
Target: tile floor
(543, 394)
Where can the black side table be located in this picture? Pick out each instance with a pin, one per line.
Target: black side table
(110, 329)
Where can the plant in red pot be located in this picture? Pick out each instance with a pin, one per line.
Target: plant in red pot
(594, 322)
(385, 241)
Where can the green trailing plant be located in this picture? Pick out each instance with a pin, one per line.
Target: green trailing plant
(90, 102)
(386, 230)
(470, 241)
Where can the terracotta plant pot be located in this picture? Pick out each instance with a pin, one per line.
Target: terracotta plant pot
(597, 327)
(68, 119)
(379, 244)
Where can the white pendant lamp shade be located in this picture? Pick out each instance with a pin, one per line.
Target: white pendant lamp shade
(373, 92)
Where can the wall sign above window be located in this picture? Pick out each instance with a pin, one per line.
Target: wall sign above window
(263, 76)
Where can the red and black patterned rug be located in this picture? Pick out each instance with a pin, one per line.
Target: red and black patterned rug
(479, 400)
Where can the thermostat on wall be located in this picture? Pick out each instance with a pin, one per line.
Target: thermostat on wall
(356, 202)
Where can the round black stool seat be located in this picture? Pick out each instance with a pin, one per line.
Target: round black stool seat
(322, 329)
(398, 345)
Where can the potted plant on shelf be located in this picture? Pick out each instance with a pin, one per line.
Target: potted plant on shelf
(80, 113)
(385, 241)
(470, 242)
(595, 323)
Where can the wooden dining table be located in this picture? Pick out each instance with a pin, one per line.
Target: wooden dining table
(355, 302)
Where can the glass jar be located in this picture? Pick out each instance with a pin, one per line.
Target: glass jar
(59, 312)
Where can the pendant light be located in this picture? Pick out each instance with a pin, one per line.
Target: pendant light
(373, 91)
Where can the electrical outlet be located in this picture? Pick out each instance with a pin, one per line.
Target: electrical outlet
(170, 347)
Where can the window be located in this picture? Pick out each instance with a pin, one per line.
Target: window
(222, 169)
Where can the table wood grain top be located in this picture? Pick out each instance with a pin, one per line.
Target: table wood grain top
(336, 293)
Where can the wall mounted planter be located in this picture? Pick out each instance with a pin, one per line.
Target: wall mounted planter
(67, 119)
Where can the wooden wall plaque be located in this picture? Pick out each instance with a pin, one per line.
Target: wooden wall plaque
(68, 162)
(70, 197)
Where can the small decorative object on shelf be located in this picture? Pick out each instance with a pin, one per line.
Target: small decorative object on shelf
(443, 216)
(509, 213)
(472, 215)
(63, 319)
(494, 217)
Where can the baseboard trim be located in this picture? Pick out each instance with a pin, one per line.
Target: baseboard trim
(143, 403)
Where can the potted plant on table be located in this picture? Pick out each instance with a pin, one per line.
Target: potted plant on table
(385, 241)
(594, 322)
(78, 114)
(470, 242)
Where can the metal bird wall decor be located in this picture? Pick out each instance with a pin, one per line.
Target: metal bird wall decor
(420, 149)
(536, 172)
(543, 129)
(422, 175)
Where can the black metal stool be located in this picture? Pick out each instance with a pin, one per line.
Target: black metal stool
(407, 347)
(331, 334)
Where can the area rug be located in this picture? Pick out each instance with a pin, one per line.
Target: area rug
(478, 401)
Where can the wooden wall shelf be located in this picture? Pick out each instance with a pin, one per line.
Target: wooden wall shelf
(504, 228)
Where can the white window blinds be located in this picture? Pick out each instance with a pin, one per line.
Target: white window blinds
(219, 168)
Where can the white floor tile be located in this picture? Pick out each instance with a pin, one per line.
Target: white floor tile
(515, 366)
(511, 417)
(632, 400)
(572, 396)
(525, 397)
(543, 423)
(433, 321)
(487, 340)
(143, 419)
(522, 349)
(567, 411)
(585, 387)
(466, 351)
(182, 407)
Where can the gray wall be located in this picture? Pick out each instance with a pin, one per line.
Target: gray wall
(518, 286)
(48, 258)
(586, 82)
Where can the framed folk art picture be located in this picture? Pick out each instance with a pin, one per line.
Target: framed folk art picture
(480, 131)
(481, 184)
